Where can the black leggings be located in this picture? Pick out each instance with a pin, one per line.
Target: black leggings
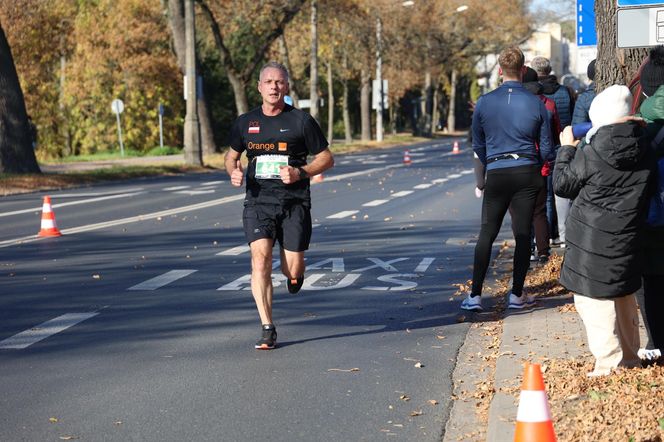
(653, 287)
(518, 187)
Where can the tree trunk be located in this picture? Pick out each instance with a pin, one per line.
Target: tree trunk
(427, 104)
(330, 103)
(614, 65)
(451, 111)
(365, 104)
(283, 50)
(348, 132)
(240, 76)
(313, 71)
(176, 22)
(16, 152)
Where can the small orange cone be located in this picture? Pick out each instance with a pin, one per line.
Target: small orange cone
(48, 227)
(455, 148)
(406, 157)
(317, 178)
(533, 417)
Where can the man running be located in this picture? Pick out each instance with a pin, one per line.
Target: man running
(277, 138)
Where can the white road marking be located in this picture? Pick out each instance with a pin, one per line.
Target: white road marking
(423, 186)
(402, 193)
(111, 192)
(440, 181)
(343, 214)
(212, 183)
(132, 219)
(195, 192)
(162, 280)
(73, 203)
(385, 265)
(424, 265)
(169, 189)
(374, 203)
(466, 171)
(44, 330)
(235, 250)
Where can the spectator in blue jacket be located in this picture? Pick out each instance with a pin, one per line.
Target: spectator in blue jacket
(508, 125)
(584, 99)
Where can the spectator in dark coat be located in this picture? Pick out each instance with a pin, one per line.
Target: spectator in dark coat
(652, 110)
(608, 177)
(586, 97)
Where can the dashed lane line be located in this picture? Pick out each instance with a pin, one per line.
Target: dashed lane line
(44, 330)
(343, 214)
(73, 203)
(131, 219)
(401, 193)
(374, 203)
(234, 251)
(162, 280)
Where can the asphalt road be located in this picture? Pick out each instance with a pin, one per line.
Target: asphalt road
(138, 323)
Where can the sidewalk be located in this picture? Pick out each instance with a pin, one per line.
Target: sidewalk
(551, 330)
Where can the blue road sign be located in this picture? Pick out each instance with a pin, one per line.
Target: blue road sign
(585, 23)
(623, 3)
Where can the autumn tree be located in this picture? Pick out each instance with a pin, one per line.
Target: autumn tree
(177, 25)
(16, 152)
(614, 65)
(244, 37)
(122, 51)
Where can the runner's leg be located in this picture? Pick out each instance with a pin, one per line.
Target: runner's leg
(261, 277)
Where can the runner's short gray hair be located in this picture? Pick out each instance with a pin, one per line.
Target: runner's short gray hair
(274, 65)
(542, 65)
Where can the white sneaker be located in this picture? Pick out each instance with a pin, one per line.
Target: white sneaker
(519, 302)
(649, 354)
(472, 303)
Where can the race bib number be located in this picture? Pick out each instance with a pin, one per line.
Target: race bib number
(267, 166)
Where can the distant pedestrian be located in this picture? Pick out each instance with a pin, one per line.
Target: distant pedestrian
(607, 175)
(585, 98)
(652, 110)
(541, 225)
(564, 98)
(508, 124)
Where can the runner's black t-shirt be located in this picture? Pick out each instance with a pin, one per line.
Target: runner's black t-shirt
(293, 133)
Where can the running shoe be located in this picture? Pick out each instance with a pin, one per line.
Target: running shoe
(519, 302)
(268, 339)
(472, 303)
(294, 285)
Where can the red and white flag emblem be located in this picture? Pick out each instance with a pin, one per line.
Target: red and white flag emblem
(254, 127)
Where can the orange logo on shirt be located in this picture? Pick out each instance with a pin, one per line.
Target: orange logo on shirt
(283, 147)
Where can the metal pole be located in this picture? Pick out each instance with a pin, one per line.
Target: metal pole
(379, 77)
(192, 135)
(117, 117)
(161, 131)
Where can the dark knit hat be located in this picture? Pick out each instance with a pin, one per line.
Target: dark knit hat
(591, 70)
(530, 75)
(652, 74)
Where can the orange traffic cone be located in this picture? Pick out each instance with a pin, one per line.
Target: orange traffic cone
(455, 147)
(406, 157)
(317, 178)
(48, 227)
(533, 417)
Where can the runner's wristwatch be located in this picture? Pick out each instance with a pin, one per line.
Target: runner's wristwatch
(302, 173)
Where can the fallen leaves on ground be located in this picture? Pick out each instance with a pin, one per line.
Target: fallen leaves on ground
(627, 405)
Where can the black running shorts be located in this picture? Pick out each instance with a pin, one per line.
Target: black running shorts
(290, 225)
